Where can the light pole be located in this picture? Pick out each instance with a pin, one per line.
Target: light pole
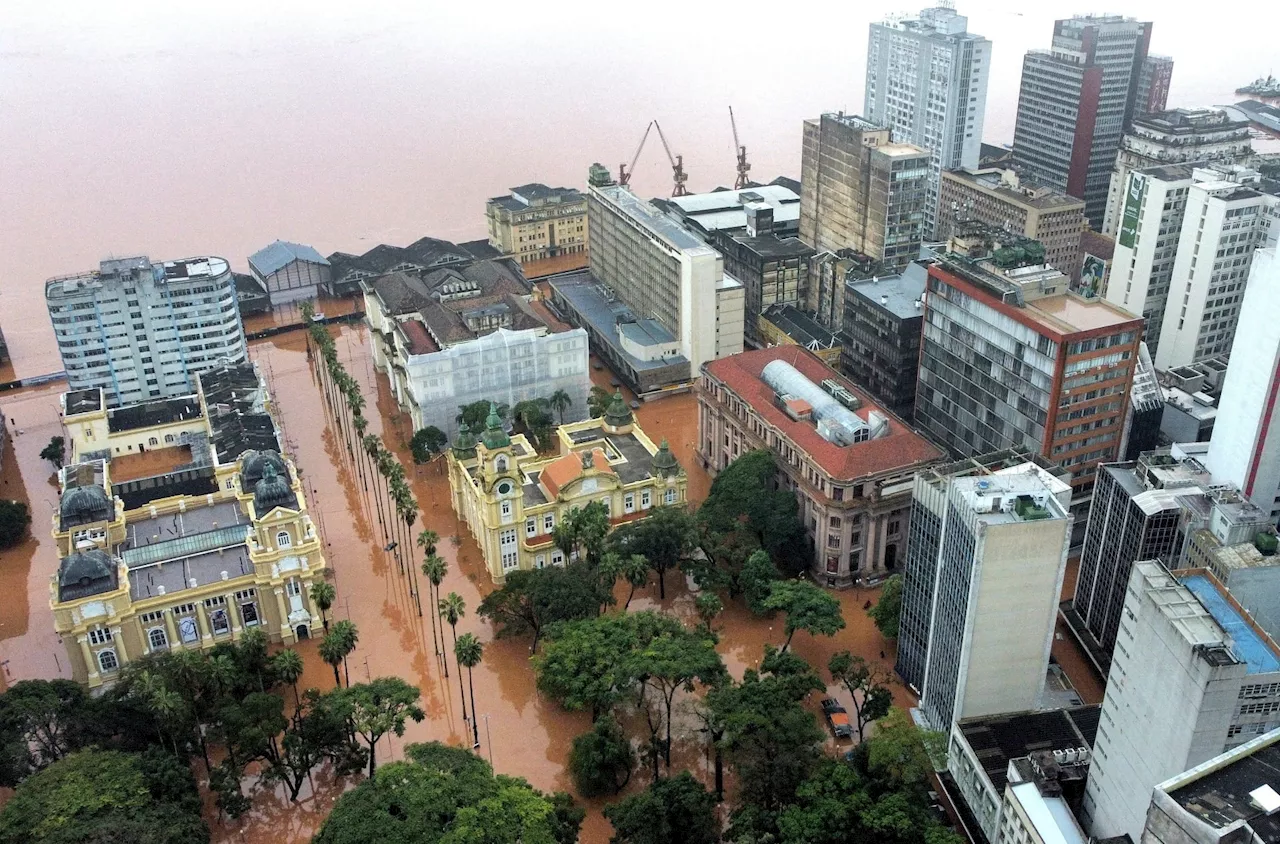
(489, 740)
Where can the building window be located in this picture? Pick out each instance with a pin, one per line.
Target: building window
(221, 624)
(188, 631)
(530, 527)
(107, 661)
(283, 540)
(540, 561)
(152, 441)
(837, 493)
(645, 500)
(99, 636)
(629, 502)
(510, 560)
(669, 497)
(548, 522)
(157, 639)
(506, 509)
(500, 463)
(293, 588)
(249, 612)
(557, 558)
(168, 438)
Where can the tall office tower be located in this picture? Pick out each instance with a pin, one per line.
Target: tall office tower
(1010, 357)
(927, 81)
(1001, 551)
(860, 191)
(1154, 79)
(1137, 514)
(1076, 100)
(1178, 136)
(1192, 676)
(1245, 448)
(143, 331)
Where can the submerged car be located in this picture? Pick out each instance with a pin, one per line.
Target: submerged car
(837, 718)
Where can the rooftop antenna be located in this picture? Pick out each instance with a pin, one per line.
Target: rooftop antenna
(743, 167)
(678, 176)
(624, 172)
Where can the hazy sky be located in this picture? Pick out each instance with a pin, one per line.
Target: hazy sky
(177, 128)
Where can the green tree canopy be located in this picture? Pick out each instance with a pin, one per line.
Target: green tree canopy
(54, 451)
(674, 810)
(602, 759)
(887, 612)
(15, 518)
(757, 579)
(476, 413)
(807, 606)
(530, 601)
(106, 796)
(666, 538)
(41, 721)
(745, 497)
(867, 685)
(377, 708)
(582, 532)
(427, 443)
(672, 661)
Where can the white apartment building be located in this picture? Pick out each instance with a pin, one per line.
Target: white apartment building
(143, 330)
(661, 271)
(1245, 447)
(1191, 676)
(927, 82)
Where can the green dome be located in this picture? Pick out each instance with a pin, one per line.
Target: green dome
(464, 445)
(617, 415)
(495, 436)
(272, 490)
(664, 463)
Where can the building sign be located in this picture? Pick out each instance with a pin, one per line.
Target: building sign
(1093, 276)
(1132, 208)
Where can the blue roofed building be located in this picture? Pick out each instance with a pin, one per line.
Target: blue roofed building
(290, 272)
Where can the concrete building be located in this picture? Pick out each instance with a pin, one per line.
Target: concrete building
(143, 330)
(1137, 514)
(773, 270)
(661, 272)
(1178, 136)
(183, 543)
(251, 296)
(860, 191)
(1146, 410)
(1237, 544)
(1154, 79)
(1192, 676)
(1245, 449)
(1075, 102)
(290, 272)
(732, 212)
(927, 81)
(1010, 357)
(424, 255)
(1000, 198)
(849, 462)
(535, 222)
(1022, 774)
(1232, 797)
(1001, 552)
(786, 325)
(883, 317)
(829, 275)
(1096, 254)
(511, 498)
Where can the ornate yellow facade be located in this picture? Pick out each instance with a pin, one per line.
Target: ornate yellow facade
(512, 498)
(189, 558)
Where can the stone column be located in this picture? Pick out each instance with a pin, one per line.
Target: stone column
(175, 641)
(202, 621)
(122, 655)
(286, 629)
(233, 615)
(90, 662)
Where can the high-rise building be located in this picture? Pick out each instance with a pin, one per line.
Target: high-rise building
(1001, 542)
(860, 191)
(1179, 136)
(143, 330)
(1000, 198)
(927, 81)
(1173, 218)
(1192, 675)
(1245, 448)
(1137, 514)
(1076, 100)
(1153, 85)
(1010, 357)
(882, 320)
(535, 223)
(773, 270)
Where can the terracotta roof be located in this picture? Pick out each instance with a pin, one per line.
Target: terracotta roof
(566, 469)
(420, 342)
(901, 449)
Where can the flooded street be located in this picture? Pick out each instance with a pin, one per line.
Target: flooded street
(523, 734)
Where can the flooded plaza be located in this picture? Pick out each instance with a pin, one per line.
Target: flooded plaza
(522, 733)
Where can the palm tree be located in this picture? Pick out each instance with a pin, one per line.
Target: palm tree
(372, 448)
(435, 568)
(347, 635)
(452, 609)
(561, 401)
(635, 570)
(323, 595)
(361, 425)
(468, 652)
(287, 666)
(333, 651)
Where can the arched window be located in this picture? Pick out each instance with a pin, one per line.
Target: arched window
(283, 540)
(153, 441)
(168, 438)
(158, 639)
(500, 463)
(107, 661)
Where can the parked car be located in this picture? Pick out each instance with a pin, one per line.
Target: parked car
(837, 718)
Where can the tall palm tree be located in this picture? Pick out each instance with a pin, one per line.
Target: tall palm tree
(468, 651)
(361, 425)
(287, 666)
(323, 595)
(435, 568)
(373, 447)
(561, 401)
(347, 635)
(452, 609)
(333, 651)
(411, 516)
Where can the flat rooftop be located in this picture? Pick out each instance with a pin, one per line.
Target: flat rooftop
(999, 739)
(1010, 497)
(801, 327)
(151, 413)
(1068, 312)
(604, 314)
(1248, 642)
(1218, 792)
(1029, 193)
(902, 151)
(652, 219)
(179, 574)
(852, 120)
(149, 464)
(902, 290)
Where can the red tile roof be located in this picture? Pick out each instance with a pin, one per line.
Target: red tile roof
(563, 470)
(901, 449)
(420, 342)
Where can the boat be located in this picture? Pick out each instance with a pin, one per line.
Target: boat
(1268, 87)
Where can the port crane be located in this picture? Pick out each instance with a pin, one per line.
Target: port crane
(743, 167)
(678, 176)
(624, 172)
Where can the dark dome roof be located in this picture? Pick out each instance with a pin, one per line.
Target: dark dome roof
(464, 445)
(272, 491)
(253, 466)
(664, 462)
(495, 436)
(81, 505)
(617, 414)
(86, 573)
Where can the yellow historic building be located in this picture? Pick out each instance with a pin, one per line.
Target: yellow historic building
(512, 498)
(193, 541)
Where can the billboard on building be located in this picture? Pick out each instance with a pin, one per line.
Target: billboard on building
(1132, 208)
(1093, 276)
